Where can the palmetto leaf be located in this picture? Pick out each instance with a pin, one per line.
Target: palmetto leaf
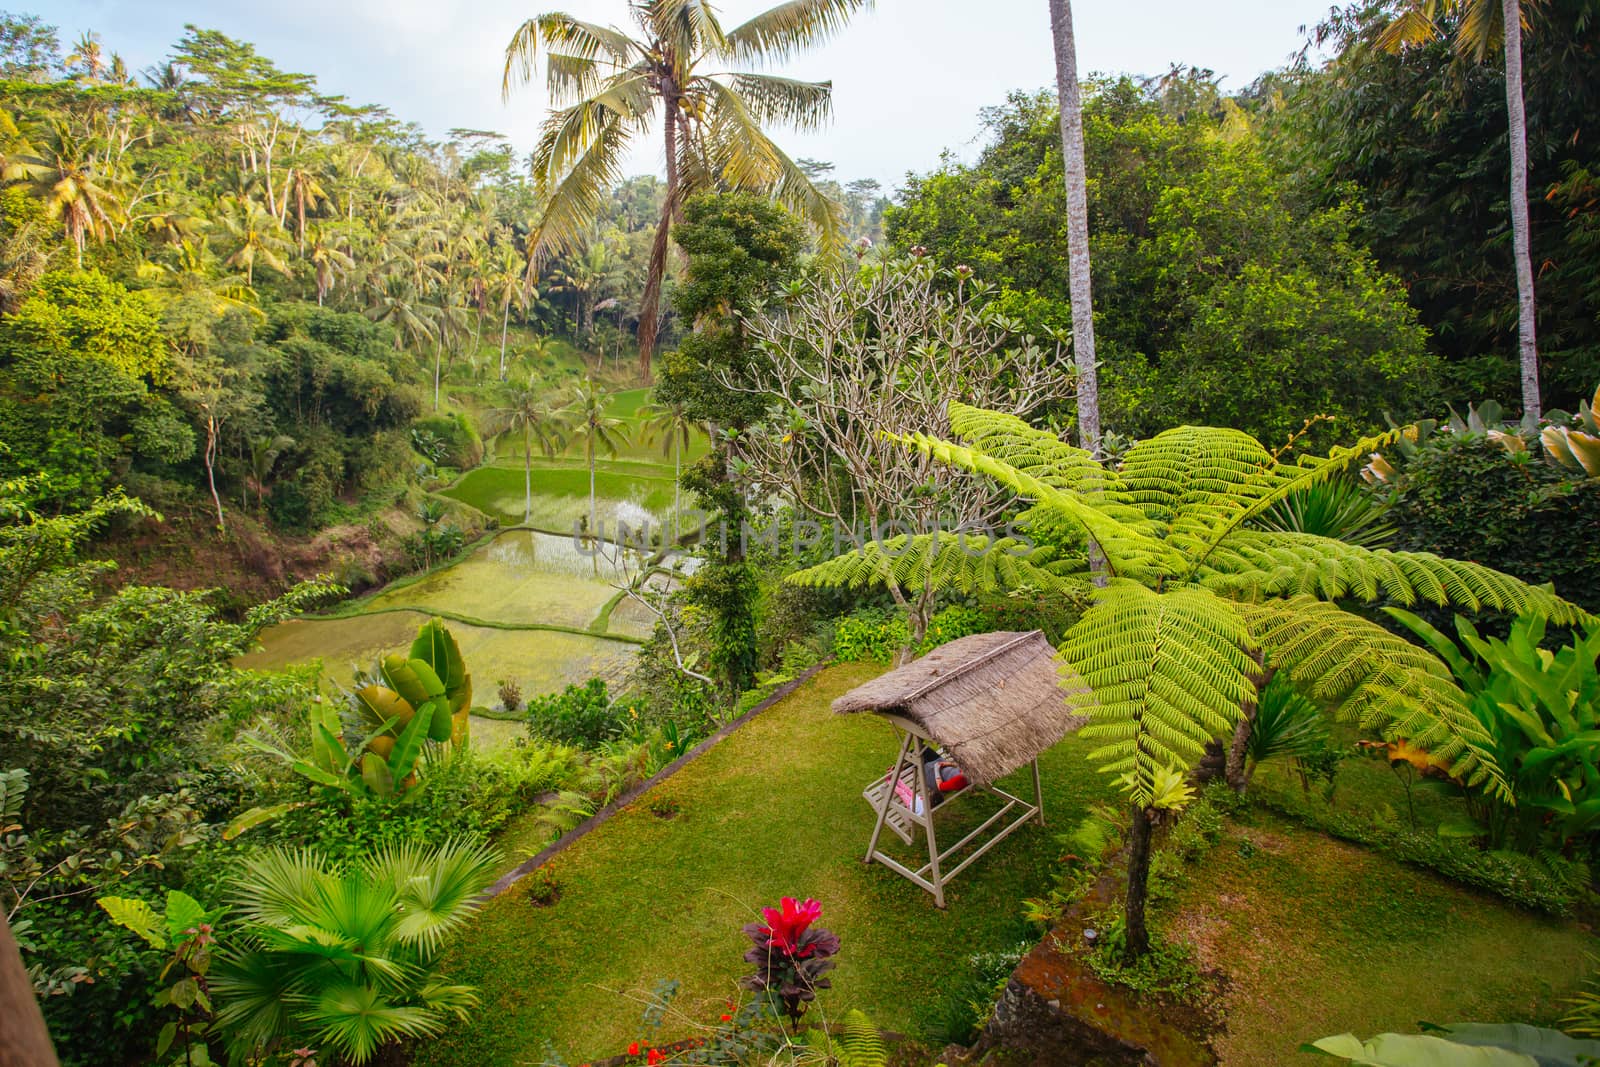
(356, 1019)
(1169, 671)
(437, 890)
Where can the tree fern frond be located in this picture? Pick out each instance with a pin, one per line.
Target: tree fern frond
(1040, 453)
(1169, 672)
(1191, 467)
(967, 562)
(1375, 678)
(859, 1043)
(1259, 563)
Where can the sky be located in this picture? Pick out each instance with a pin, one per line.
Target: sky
(909, 75)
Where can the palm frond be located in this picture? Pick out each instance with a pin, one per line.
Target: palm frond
(584, 40)
(1169, 672)
(1343, 509)
(791, 102)
(778, 33)
(596, 138)
(356, 1019)
(747, 158)
(1375, 678)
(436, 890)
(1413, 26)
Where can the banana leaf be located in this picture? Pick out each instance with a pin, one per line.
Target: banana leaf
(376, 774)
(379, 702)
(404, 757)
(248, 820)
(397, 670)
(439, 724)
(436, 647)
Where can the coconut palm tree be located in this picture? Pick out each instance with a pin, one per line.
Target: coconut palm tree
(301, 188)
(505, 287)
(451, 318)
(598, 431)
(608, 87)
(396, 303)
(1483, 26)
(671, 425)
(76, 188)
(255, 235)
(1067, 89)
(329, 261)
(529, 409)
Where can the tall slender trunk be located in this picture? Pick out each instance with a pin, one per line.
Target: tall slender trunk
(438, 346)
(593, 529)
(1077, 225)
(505, 322)
(1527, 347)
(1138, 937)
(211, 468)
(650, 302)
(677, 473)
(527, 475)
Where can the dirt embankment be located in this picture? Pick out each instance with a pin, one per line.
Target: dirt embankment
(249, 562)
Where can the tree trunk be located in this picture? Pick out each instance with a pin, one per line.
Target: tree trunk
(1527, 348)
(650, 303)
(438, 345)
(677, 473)
(505, 322)
(1077, 225)
(211, 468)
(1234, 769)
(24, 1039)
(527, 475)
(593, 529)
(1138, 937)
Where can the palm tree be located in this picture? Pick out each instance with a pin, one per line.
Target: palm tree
(76, 190)
(347, 959)
(505, 288)
(1202, 606)
(598, 431)
(397, 304)
(329, 262)
(583, 273)
(671, 425)
(1484, 24)
(255, 235)
(451, 317)
(88, 55)
(607, 88)
(1082, 302)
(301, 188)
(528, 409)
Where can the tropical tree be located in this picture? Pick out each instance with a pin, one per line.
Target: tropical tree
(528, 409)
(671, 424)
(505, 287)
(397, 304)
(599, 432)
(255, 235)
(329, 262)
(1077, 181)
(1201, 608)
(1483, 26)
(607, 88)
(76, 186)
(343, 960)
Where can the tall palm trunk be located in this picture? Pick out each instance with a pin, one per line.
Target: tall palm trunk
(650, 302)
(594, 531)
(505, 322)
(1077, 224)
(527, 474)
(438, 350)
(1527, 348)
(677, 473)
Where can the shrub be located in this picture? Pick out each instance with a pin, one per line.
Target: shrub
(510, 695)
(579, 715)
(872, 636)
(957, 620)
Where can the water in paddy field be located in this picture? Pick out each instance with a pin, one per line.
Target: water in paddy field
(519, 577)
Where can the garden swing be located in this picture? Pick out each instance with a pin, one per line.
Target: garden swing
(967, 714)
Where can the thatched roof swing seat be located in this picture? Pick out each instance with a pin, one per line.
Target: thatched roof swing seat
(991, 703)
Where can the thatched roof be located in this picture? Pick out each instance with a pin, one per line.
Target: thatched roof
(993, 701)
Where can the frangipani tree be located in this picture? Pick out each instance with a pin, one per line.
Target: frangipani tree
(1201, 607)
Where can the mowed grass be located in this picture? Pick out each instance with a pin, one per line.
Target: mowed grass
(775, 810)
(1318, 937)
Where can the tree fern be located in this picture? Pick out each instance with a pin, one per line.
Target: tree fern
(971, 563)
(859, 1043)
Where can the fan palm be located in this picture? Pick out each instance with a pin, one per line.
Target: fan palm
(347, 961)
(1200, 609)
(1486, 25)
(527, 409)
(598, 431)
(607, 88)
(671, 425)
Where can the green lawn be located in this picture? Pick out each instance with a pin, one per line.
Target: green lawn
(1314, 936)
(774, 810)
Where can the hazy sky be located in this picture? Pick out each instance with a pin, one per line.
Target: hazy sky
(909, 76)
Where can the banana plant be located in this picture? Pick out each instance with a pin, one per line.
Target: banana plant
(422, 696)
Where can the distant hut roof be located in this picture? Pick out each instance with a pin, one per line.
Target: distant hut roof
(993, 701)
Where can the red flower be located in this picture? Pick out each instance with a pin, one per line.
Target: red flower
(655, 1057)
(786, 925)
(633, 1049)
(726, 1017)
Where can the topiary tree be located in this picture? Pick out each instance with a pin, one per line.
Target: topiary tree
(1201, 606)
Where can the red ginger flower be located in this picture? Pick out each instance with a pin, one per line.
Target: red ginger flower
(786, 925)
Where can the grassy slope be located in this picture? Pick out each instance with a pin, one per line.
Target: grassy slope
(774, 810)
(1318, 937)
